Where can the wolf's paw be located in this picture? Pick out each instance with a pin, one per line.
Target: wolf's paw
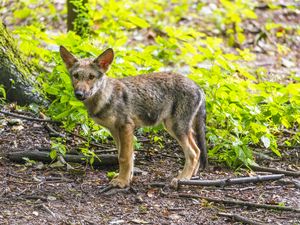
(119, 182)
(174, 183)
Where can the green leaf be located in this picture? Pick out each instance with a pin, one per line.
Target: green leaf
(76, 103)
(138, 21)
(53, 154)
(2, 92)
(285, 122)
(111, 175)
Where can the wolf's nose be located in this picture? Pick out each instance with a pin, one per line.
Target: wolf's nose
(79, 95)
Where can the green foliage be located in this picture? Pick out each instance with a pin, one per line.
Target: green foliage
(244, 110)
(2, 93)
(28, 161)
(57, 146)
(111, 175)
(82, 21)
(230, 16)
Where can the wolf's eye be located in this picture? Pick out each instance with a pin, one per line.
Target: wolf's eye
(76, 76)
(91, 77)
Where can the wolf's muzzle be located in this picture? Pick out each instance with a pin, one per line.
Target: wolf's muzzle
(79, 95)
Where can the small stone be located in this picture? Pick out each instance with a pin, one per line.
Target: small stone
(35, 213)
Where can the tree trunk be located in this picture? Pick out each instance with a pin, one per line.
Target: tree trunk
(77, 13)
(14, 73)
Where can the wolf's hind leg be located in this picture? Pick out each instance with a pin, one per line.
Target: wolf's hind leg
(197, 151)
(187, 142)
(191, 153)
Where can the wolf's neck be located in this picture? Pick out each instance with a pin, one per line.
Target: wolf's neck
(101, 97)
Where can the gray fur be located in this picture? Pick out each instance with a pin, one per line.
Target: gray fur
(143, 100)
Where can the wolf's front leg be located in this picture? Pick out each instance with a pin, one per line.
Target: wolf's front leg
(125, 157)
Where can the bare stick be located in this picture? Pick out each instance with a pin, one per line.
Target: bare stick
(158, 184)
(53, 131)
(48, 210)
(242, 219)
(27, 117)
(241, 203)
(277, 171)
(231, 181)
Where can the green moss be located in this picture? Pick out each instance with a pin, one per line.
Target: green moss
(9, 51)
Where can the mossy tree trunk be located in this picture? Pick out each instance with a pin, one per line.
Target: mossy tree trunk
(15, 76)
(78, 20)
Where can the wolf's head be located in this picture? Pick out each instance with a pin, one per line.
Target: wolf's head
(86, 74)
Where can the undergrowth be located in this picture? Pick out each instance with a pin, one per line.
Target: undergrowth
(244, 109)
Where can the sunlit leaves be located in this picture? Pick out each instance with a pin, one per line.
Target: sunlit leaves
(138, 21)
(243, 109)
(2, 92)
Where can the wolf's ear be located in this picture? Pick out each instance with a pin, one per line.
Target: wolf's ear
(105, 59)
(68, 58)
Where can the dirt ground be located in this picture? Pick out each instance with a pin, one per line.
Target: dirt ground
(43, 194)
(37, 193)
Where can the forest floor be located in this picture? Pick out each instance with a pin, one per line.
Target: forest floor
(37, 193)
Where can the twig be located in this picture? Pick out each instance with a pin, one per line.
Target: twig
(241, 203)
(242, 219)
(32, 197)
(285, 182)
(296, 184)
(282, 5)
(290, 147)
(158, 184)
(276, 171)
(27, 117)
(53, 131)
(48, 210)
(113, 150)
(114, 191)
(260, 155)
(230, 181)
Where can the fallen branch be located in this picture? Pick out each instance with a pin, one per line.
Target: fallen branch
(276, 171)
(53, 132)
(231, 181)
(241, 203)
(106, 159)
(27, 117)
(242, 219)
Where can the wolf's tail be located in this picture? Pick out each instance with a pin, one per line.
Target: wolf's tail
(200, 130)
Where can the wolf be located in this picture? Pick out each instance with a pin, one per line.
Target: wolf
(122, 105)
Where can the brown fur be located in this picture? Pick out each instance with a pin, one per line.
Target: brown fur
(121, 105)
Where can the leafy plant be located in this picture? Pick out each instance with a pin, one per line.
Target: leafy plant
(229, 18)
(82, 22)
(2, 93)
(111, 175)
(244, 109)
